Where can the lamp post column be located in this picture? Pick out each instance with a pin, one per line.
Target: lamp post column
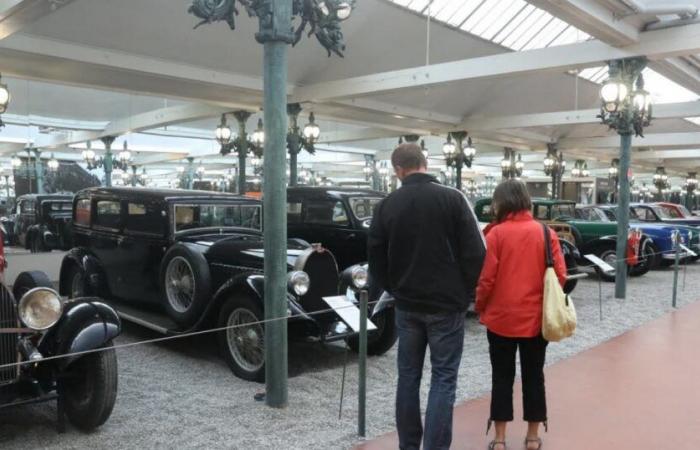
(275, 34)
(293, 141)
(242, 118)
(190, 172)
(623, 207)
(133, 176)
(7, 186)
(108, 159)
(39, 171)
(459, 136)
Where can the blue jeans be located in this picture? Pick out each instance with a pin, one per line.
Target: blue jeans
(444, 334)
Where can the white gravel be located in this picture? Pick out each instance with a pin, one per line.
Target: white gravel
(180, 395)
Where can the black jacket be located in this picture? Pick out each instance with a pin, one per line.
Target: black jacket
(425, 247)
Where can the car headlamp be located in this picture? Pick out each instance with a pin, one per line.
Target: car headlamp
(358, 276)
(40, 308)
(298, 282)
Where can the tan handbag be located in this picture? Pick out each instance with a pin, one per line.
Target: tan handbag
(558, 312)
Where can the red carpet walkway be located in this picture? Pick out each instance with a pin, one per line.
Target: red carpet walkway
(640, 390)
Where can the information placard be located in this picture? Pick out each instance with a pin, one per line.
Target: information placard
(605, 267)
(688, 251)
(347, 311)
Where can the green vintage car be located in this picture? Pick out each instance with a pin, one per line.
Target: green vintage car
(588, 237)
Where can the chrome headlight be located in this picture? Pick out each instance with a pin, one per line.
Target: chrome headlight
(359, 277)
(40, 308)
(298, 282)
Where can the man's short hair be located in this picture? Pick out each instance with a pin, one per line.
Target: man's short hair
(408, 156)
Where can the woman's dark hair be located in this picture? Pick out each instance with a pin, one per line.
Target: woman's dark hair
(511, 196)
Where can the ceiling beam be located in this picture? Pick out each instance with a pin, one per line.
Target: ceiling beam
(17, 14)
(669, 154)
(666, 140)
(592, 18)
(364, 134)
(575, 117)
(677, 70)
(657, 44)
(145, 121)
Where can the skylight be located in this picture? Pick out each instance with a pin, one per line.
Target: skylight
(514, 24)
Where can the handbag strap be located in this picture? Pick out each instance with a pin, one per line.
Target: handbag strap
(549, 260)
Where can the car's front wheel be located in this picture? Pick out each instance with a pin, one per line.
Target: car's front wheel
(90, 389)
(36, 245)
(381, 340)
(242, 342)
(610, 257)
(76, 282)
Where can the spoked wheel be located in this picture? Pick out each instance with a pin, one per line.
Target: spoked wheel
(646, 260)
(179, 284)
(242, 343)
(90, 389)
(76, 277)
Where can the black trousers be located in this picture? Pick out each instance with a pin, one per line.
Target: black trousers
(532, 354)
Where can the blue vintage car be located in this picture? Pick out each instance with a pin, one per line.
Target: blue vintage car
(660, 233)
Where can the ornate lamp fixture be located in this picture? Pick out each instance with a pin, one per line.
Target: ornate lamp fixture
(368, 170)
(108, 162)
(510, 166)
(457, 155)
(53, 164)
(298, 139)
(258, 138)
(554, 166)
(691, 185)
(201, 171)
(5, 98)
(661, 180)
(580, 169)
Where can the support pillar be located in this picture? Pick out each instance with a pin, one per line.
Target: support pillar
(275, 33)
(623, 213)
(242, 117)
(108, 159)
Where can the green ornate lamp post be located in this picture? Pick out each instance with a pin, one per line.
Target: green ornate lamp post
(241, 144)
(298, 139)
(456, 155)
(554, 166)
(510, 166)
(626, 108)
(107, 161)
(691, 185)
(614, 176)
(661, 181)
(276, 33)
(29, 169)
(580, 169)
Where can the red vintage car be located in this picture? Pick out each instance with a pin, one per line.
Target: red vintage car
(675, 210)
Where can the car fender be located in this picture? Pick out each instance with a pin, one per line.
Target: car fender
(87, 324)
(89, 264)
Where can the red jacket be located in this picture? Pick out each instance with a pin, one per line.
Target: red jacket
(509, 295)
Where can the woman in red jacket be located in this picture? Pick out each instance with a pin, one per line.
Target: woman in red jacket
(509, 302)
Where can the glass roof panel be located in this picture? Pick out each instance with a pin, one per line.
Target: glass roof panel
(662, 89)
(515, 24)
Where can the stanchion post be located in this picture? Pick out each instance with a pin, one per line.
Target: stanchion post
(677, 247)
(362, 388)
(600, 297)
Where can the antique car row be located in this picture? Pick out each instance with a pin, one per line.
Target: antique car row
(177, 262)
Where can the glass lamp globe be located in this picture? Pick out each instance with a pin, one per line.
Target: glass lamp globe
(223, 134)
(53, 163)
(449, 148)
(311, 130)
(124, 156)
(613, 94)
(258, 136)
(201, 170)
(612, 171)
(469, 152)
(88, 155)
(641, 101)
(343, 11)
(16, 162)
(585, 173)
(4, 98)
(576, 172)
(505, 163)
(548, 162)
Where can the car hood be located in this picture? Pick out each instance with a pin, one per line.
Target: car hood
(245, 250)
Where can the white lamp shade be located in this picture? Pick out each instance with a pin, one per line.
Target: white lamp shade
(344, 10)
(4, 97)
(613, 91)
(125, 155)
(88, 155)
(16, 161)
(223, 134)
(312, 131)
(448, 148)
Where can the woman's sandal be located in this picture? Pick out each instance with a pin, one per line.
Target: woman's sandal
(538, 440)
(494, 443)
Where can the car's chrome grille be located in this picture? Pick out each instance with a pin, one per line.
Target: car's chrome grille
(8, 341)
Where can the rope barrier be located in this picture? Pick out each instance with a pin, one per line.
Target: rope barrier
(169, 338)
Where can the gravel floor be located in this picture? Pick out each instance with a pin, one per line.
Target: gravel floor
(180, 395)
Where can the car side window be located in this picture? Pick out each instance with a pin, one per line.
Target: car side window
(293, 212)
(27, 207)
(325, 212)
(108, 214)
(82, 212)
(541, 212)
(141, 218)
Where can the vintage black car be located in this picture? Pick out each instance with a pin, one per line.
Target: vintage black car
(338, 218)
(37, 327)
(42, 222)
(177, 261)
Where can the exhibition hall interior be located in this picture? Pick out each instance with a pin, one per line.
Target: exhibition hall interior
(190, 194)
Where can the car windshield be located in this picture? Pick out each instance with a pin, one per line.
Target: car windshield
(363, 207)
(663, 212)
(188, 217)
(610, 214)
(566, 210)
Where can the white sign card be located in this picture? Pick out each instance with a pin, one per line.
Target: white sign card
(348, 312)
(688, 251)
(605, 267)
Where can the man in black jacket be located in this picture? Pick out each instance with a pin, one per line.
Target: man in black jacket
(426, 249)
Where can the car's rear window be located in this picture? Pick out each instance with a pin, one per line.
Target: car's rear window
(108, 214)
(142, 218)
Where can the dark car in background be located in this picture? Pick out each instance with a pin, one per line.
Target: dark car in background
(42, 222)
(41, 340)
(337, 218)
(179, 261)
